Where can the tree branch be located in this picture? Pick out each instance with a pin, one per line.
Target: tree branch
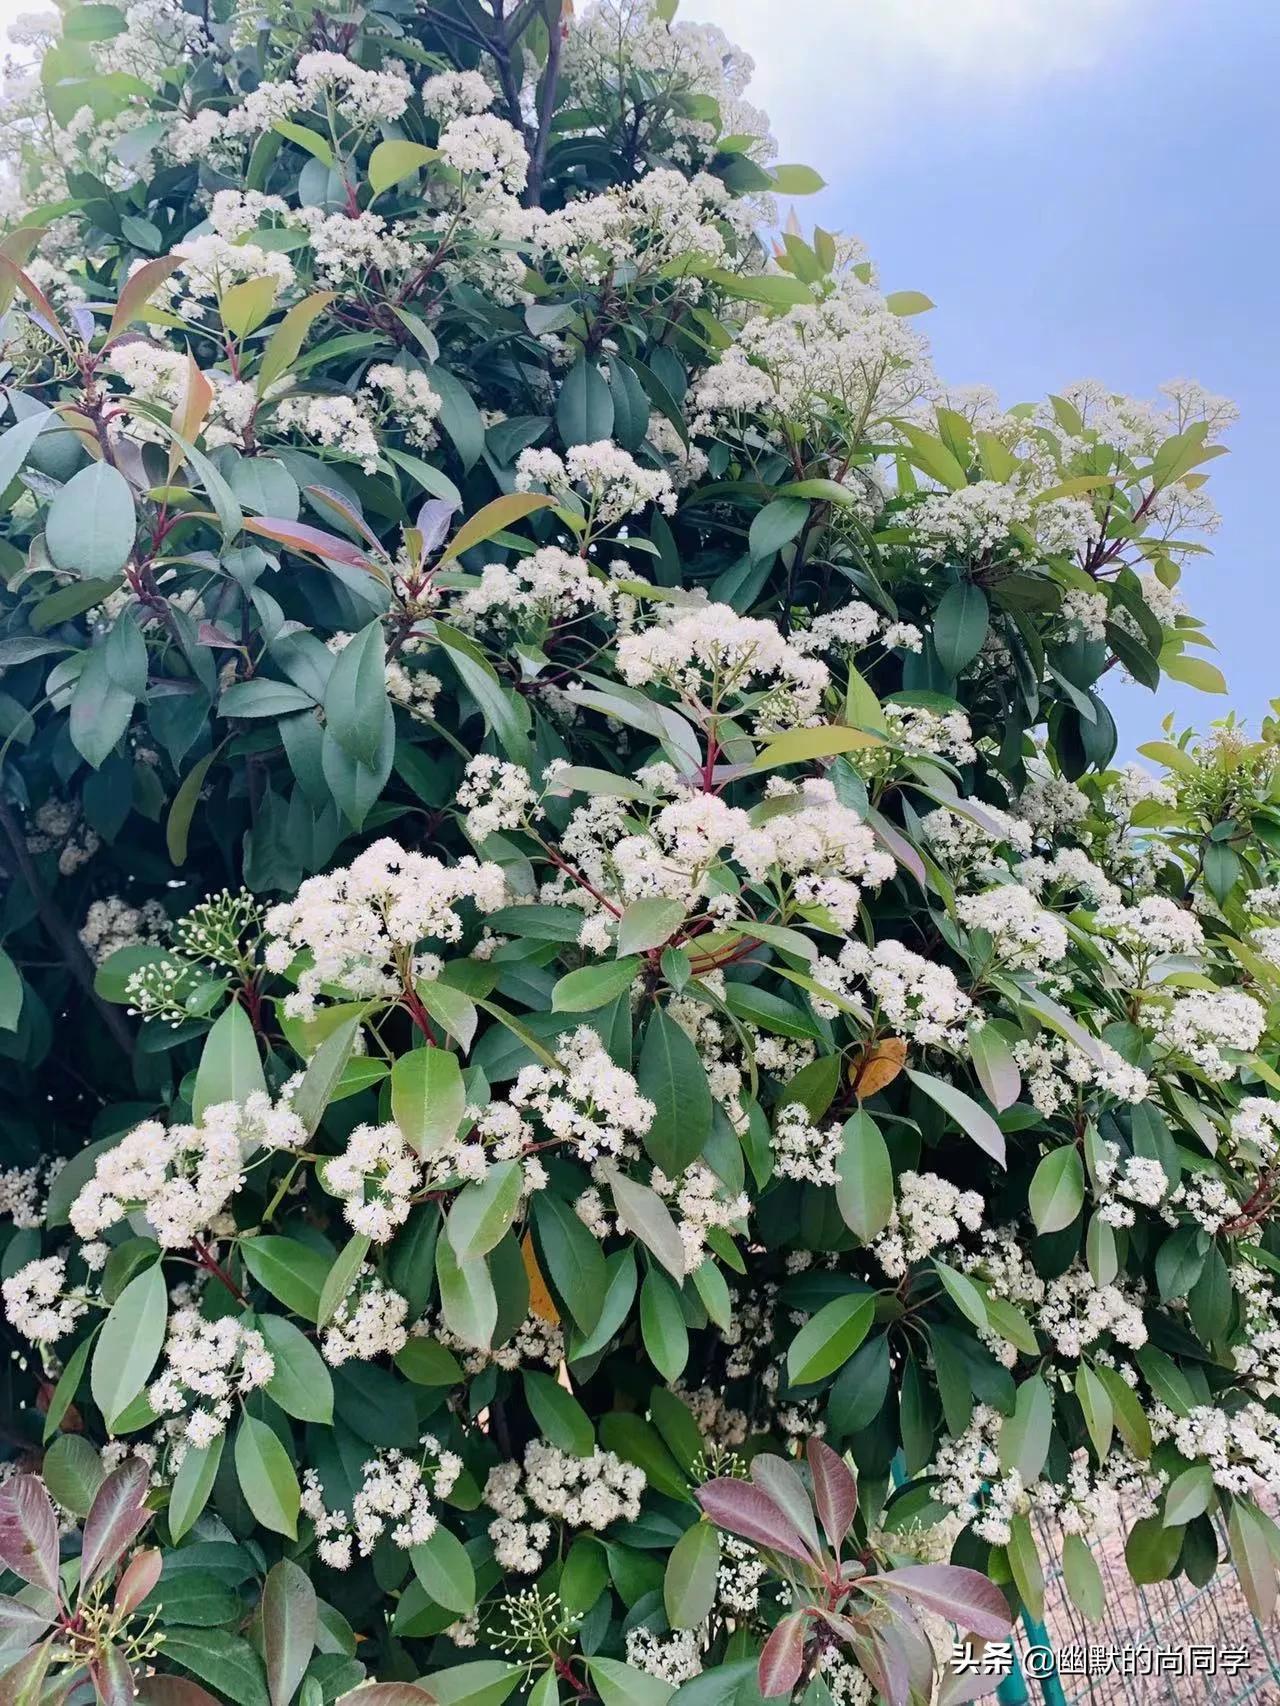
(547, 102)
(63, 936)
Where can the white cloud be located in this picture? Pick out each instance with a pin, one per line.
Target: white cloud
(836, 75)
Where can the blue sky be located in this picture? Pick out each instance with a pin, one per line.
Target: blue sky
(1085, 188)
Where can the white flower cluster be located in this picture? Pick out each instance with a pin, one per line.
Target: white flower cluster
(1201, 1023)
(1241, 1447)
(1154, 924)
(582, 1492)
(853, 628)
(1024, 934)
(37, 1303)
(672, 1658)
(701, 1201)
(925, 733)
(551, 586)
(335, 422)
(180, 1177)
(914, 997)
(487, 152)
(369, 1322)
(711, 650)
(1056, 1072)
(495, 795)
(611, 482)
(970, 521)
(1077, 1312)
(930, 1213)
(396, 1498)
(802, 1151)
(209, 1364)
(1255, 1127)
(587, 1101)
(112, 924)
(375, 1176)
(362, 924)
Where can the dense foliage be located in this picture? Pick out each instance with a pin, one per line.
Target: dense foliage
(576, 969)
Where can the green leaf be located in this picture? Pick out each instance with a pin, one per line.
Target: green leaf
(642, 1211)
(467, 1297)
(908, 302)
(584, 408)
(796, 180)
(996, 1069)
(973, 1120)
(560, 1417)
(775, 526)
(301, 1384)
(442, 1566)
(802, 746)
(393, 161)
(244, 306)
(16, 443)
(1189, 1496)
(570, 1257)
(671, 1074)
(619, 1684)
(11, 992)
(1056, 1193)
(290, 1625)
(91, 525)
(1084, 1578)
(101, 710)
(590, 987)
(964, 1294)
(960, 626)
(689, 1582)
(263, 697)
(324, 1074)
(648, 924)
(292, 1272)
(193, 1484)
(129, 1345)
(287, 339)
(662, 1325)
(267, 1477)
(482, 1212)
(428, 1097)
(864, 1188)
(1025, 1435)
(829, 1338)
(185, 801)
(341, 1277)
(224, 1661)
(1151, 1551)
(1130, 1419)
(1095, 1404)
(72, 1472)
(1196, 672)
(482, 1682)
(426, 1362)
(356, 696)
(230, 1069)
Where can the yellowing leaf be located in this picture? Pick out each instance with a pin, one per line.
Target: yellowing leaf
(879, 1067)
(540, 1299)
(246, 305)
(392, 161)
(799, 746)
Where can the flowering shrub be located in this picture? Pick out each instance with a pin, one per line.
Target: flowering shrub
(607, 1088)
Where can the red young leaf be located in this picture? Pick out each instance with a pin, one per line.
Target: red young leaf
(312, 541)
(140, 1577)
(112, 1677)
(173, 1691)
(962, 1596)
(117, 1514)
(745, 1509)
(835, 1492)
(29, 1532)
(782, 1659)
(388, 1694)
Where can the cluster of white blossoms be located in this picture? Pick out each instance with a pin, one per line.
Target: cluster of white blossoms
(1201, 1023)
(587, 1102)
(1077, 1312)
(375, 1176)
(1241, 1447)
(701, 1201)
(368, 1323)
(408, 398)
(1255, 1128)
(1055, 1072)
(1024, 934)
(487, 152)
(180, 1177)
(1154, 924)
(921, 732)
(1123, 1181)
(664, 216)
(673, 1658)
(37, 1303)
(911, 997)
(362, 925)
(929, 1214)
(495, 796)
(112, 924)
(801, 1150)
(581, 1492)
(832, 370)
(552, 586)
(708, 652)
(854, 627)
(336, 422)
(397, 1498)
(415, 689)
(970, 521)
(208, 1365)
(602, 478)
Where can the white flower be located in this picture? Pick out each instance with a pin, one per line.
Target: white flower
(613, 483)
(369, 1322)
(1201, 1023)
(483, 146)
(929, 1214)
(376, 1175)
(1024, 934)
(801, 1151)
(36, 1302)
